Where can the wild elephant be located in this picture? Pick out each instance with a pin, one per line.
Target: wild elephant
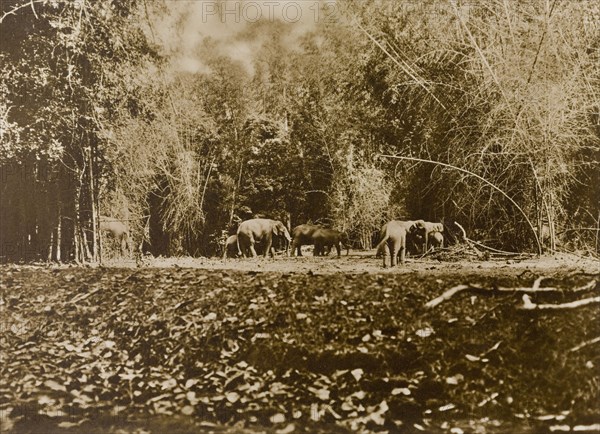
(117, 230)
(394, 235)
(426, 229)
(259, 231)
(436, 240)
(303, 235)
(325, 239)
(414, 243)
(230, 247)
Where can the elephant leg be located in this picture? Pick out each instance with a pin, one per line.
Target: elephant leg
(296, 248)
(225, 250)
(338, 247)
(268, 245)
(402, 248)
(251, 248)
(387, 247)
(293, 246)
(392, 247)
(317, 249)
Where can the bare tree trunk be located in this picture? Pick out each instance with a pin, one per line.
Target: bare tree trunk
(86, 246)
(58, 231)
(97, 252)
(76, 242)
(76, 224)
(51, 246)
(552, 223)
(598, 233)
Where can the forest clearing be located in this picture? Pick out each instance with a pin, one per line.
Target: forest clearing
(244, 216)
(303, 345)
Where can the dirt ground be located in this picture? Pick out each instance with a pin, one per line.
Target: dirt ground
(283, 345)
(366, 262)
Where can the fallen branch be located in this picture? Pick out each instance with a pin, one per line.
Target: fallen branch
(464, 233)
(491, 249)
(474, 243)
(469, 241)
(529, 305)
(432, 251)
(446, 295)
(82, 297)
(536, 287)
(533, 289)
(584, 344)
(575, 428)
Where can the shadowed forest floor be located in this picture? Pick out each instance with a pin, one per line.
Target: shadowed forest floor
(296, 345)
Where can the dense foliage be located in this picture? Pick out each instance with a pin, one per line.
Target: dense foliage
(183, 123)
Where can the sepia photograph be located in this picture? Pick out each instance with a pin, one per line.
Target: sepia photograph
(299, 216)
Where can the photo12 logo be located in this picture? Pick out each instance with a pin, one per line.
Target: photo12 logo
(270, 10)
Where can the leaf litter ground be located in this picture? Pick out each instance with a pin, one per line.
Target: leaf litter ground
(307, 345)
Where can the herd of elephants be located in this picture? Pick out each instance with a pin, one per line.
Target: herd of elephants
(399, 236)
(414, 236)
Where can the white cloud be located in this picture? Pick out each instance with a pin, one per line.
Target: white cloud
(237, 28)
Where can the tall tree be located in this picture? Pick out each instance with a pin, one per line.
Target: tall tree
(58, 75)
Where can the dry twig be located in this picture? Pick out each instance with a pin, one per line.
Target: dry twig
(584, 344)
(529, 305)
(534, 288)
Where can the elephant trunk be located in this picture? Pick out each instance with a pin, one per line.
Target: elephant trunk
(288, 240)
